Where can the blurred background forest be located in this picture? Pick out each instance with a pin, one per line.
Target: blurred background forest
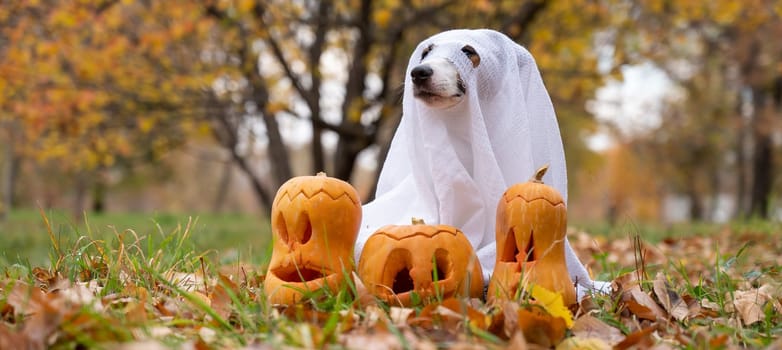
(669, 110)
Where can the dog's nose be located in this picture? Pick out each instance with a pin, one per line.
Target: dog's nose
(421, 73)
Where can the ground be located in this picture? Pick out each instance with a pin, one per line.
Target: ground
(173, 283)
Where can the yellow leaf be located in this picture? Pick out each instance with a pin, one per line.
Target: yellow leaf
(553, 304)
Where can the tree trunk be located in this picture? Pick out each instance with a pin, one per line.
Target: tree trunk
(222, 188)
(742, 209)
(79, 195)
(696, 204)
(762, 157)
(98, 195)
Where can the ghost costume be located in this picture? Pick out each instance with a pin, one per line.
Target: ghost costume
(451, 166)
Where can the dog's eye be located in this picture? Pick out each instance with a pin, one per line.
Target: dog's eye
(426, 51)
(472, 55)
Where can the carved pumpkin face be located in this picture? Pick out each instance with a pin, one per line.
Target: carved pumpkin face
(398, 260)
(315, 222)
(530, 233)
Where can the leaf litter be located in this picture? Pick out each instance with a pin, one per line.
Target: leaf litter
(702, 295)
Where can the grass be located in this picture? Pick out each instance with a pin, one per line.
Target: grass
(25, 236)
(163, 278)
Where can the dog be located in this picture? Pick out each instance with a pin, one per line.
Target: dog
(476, 119)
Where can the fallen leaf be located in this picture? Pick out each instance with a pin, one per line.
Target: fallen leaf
(517, 341)
(12, 340)
(220, 298)
(749, 305)
(670, 300)
(399, 315)
(640, 339)
(590, 327)
(642, 305)
(579, 343)
(135, 312)
(474, 317)
(510, 312)
(363, 297)
(553, 304)
(541, 328)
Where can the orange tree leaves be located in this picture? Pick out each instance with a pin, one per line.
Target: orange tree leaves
(93, 86)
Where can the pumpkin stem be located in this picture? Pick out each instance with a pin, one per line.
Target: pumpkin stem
(321, 174)
(417, 221)
(538, 177)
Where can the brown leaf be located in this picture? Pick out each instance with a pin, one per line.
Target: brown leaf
(642, 305)
(669, 299)
(517, 341)
(639, 339)
(136, 313)
(363, 297)
(220, 298)
(45, 315)
(12, 340)
(541, 328)
(510, 312)
(749, 304)
(474, 317)
(590, 327)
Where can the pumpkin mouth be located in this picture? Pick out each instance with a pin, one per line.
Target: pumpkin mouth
(298, 274)
(511, 251)
(398, 273)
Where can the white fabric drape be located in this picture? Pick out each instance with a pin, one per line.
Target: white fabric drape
(451, 166)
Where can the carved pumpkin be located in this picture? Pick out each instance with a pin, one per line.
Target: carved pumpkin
(530, 232)
(315, 222)
(399, 260)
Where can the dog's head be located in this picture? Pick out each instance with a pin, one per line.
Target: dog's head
(436, 79)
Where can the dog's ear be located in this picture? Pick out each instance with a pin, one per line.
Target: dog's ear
(473, 55)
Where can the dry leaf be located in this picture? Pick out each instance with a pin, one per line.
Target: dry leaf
(220, 298)
(639, 340)
(591, 327)
(363, 297)
(642, 305)
(517, 341)
(377, 340)
(510, 312)
(579, 343)
(749, 304)
(135, 313)
(541, 328)
(474, 317)
(669, 299)
(399, 315)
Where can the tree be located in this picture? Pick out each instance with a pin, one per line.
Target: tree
(98, 86)
(718, 52)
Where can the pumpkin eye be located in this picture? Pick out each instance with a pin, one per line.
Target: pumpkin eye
(472, 55)
(426, 51)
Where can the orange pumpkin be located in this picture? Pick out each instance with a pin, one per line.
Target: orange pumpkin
(530, 233)
(399, 260)
(315, 222)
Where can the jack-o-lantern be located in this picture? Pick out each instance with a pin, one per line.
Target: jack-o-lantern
(530, 232)
(315, 222)
(429, 260)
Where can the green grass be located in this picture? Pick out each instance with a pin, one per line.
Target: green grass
(654, 232)
(24, 235)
